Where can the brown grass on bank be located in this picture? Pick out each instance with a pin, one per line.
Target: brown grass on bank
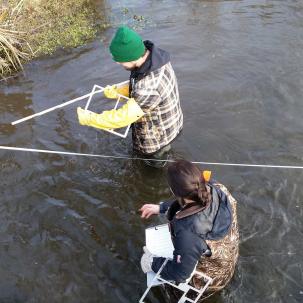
(12, 52)
(13, 46)
(45, 26)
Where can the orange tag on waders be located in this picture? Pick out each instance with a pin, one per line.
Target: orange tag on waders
(206, 175)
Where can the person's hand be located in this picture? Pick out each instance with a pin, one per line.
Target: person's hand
(148, 210)
(111, 92)
(146, 260)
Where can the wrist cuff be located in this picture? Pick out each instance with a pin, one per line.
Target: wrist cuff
(162, 210)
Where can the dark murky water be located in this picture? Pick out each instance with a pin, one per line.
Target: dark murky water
(69, 228)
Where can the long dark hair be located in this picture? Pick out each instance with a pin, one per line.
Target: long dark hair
(187, 183)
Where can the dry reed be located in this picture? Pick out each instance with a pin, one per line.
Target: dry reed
(14, 49)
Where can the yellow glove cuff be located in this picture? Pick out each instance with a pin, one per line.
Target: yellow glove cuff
(83, 116)
(123, 90)
(110, 92)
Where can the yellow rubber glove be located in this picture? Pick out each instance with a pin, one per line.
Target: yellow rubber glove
(111, 119)
(112, 91)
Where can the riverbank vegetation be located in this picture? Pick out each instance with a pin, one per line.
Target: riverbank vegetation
(31, 28)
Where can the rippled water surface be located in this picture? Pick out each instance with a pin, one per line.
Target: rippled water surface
(70, 231)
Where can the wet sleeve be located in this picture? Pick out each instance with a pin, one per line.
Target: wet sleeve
(111, 119)
(188, 250)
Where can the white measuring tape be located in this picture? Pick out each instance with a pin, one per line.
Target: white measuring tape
(46, 151)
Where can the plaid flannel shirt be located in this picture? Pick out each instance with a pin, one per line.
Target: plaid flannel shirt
(158, 96)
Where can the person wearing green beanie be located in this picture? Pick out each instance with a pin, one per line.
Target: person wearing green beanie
(126, 46)
(154, 94)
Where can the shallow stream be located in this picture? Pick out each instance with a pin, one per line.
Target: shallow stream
(70, 231)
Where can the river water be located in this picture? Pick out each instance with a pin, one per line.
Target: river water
(70, 230)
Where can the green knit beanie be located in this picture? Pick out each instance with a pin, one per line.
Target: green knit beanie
(127, 45)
